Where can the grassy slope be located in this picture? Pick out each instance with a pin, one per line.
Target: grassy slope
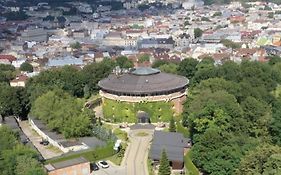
(126, 112)
(189, 166)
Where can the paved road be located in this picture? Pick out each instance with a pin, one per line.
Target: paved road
(135, 159)
(35, 139)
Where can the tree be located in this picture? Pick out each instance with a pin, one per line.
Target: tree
(9, 103)
(275, 123)
(164, 168)
(258, 115)
(26, 67)
(159, 63)
(217, 14)
(26, 165)
(7, 73)
(8, 138)
(205, 19)
(75, 45)
(20, 15)
(169, 68)
(124, 62)
(187, 67)
(198, 32)
(67, 115)
(67, 78)
(230, 44)
(144, 58)
(261, 160)
(172, 126)
(17, 159)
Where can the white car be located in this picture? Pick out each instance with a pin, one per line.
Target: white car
(103, 164)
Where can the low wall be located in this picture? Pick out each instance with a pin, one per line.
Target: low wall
(135, 99)
(56, 143)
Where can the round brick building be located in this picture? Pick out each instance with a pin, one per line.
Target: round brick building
(145, 85)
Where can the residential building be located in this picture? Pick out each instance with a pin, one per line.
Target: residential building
(19, 81)
(35, 34)
(173, 143)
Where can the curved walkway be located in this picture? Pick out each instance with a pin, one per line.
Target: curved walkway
(136, 155)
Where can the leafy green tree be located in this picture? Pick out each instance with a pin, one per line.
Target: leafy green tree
(172, 126)
(198, 32)
(273, 60)
(169, 68)
(273, 165)
(187, 67)
(275, 123)
(26, 165)
(67, 78)
(230, 70)
(9, 103)
(67, 115)
(218, 152)
(159, 63)
(75, 45)
(230, 44)
(12, 16)
(261, 160)
(8, 138)
(258, 115)
(26, 67)
(124, 62)
(164, 168)
(93, 73)
(218, 13)
(7, 73)
(205, 19)
(144, 58)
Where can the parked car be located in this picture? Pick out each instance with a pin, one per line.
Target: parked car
(94, 167)
(44, 142)
(103, 164)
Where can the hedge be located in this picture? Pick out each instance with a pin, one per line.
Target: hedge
(117, 111)
(92, 155)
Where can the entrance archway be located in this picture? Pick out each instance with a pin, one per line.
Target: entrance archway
(143, 117)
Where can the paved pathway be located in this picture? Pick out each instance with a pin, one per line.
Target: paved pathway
(135, 159)
(35, 139)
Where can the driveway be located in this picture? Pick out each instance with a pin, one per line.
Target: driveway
(113, 169)
(135, 159)
(45, 151)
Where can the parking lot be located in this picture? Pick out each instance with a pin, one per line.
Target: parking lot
(116, 170)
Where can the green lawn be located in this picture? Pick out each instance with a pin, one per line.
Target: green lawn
(117, 111)
(122, 135)
(189, 166)
(182, 129)
(115, 159)
(92, 155)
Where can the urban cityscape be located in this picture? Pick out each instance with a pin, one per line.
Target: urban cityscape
(140, 87)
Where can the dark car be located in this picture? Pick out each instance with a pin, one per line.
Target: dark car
(94, 167)
(44, 142)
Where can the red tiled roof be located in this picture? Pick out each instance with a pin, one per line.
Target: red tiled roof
(20, 78)
(11, 58)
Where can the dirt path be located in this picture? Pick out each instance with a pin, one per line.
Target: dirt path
(45, 151)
